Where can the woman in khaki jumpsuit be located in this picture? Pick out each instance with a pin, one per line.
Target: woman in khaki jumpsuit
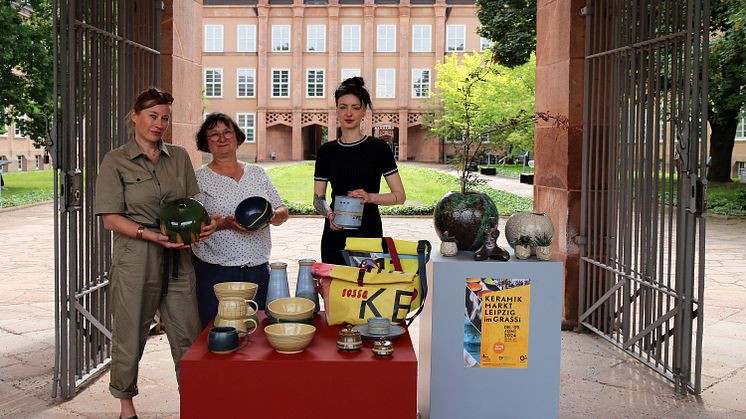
(134, 182)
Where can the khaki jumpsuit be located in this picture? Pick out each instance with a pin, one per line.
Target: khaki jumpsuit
(131, 185)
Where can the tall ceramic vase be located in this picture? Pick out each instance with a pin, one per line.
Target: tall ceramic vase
(278, 282)
(306, 285)
(465, 216)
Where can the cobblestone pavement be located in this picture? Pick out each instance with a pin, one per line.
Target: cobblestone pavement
(596, 379)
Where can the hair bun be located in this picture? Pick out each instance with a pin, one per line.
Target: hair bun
(354, 81)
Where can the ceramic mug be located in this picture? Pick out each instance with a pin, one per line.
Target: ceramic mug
(236, 308)
(223, 340)
(379, 326)
(241, 325)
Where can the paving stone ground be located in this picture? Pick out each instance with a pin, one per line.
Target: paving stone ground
(597, 380)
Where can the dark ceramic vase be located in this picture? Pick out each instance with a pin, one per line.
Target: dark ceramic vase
(466, 217)
(182, 220)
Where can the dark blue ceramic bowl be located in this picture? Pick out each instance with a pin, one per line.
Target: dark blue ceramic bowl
(222, 339)
(253, 213)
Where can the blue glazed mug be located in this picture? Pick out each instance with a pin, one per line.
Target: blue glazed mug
(348, 212)
(223, 340)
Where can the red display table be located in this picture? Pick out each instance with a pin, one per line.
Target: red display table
(320, 382)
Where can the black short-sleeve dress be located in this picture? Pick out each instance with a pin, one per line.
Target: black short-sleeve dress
(358, 165)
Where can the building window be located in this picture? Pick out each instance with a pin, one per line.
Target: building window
(385, 83)
(280, 38)
(281, 83)
(455, 38)
(37, 162)
(350, 72)
(18, 131)
(20, 163)
(214, 82)
(420, 83)
(386, 40)
(422, 38)
(246, 122)
(741, 127)
(314, 83)
(246, 38)
(316, 38)
(484, 43)
(350, 38)
(213, 38)
(245, 82)
(740, 167)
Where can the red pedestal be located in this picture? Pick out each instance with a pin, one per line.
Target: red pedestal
(320, 382)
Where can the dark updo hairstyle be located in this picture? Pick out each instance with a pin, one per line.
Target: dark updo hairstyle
(210, 121)
(354, 86)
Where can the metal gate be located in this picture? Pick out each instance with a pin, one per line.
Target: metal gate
(105, 52)
(644, 190)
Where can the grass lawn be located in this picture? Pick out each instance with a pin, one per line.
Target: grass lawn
(27, 188)
(424, 188)
(727, 198)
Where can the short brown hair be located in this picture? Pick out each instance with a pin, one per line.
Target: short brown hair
(210, 121)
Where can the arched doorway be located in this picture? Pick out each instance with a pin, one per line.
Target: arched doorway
(390, 134)
(313, 136)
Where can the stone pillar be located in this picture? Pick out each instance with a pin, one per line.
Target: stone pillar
(297, 144)
(368, 44)
(439, 33)
(181, 71)
(262, 79)
(298, 75)
(404, 76)
(403, 134)
(333, 72)
(560, 53)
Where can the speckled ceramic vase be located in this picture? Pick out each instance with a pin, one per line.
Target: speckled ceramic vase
(531, 224)
(465, 217)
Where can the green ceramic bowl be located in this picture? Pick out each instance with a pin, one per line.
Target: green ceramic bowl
(182, 220)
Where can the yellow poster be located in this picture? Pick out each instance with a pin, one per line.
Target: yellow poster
(497, 322)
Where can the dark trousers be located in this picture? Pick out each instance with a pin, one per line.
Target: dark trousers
(209, 275)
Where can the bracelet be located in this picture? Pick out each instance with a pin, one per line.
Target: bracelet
(140, 230)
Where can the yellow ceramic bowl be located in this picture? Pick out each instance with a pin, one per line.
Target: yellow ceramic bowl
(289, 338)
(245, 290)
(291, 308)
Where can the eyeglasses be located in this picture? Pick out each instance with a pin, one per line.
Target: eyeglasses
(227, 134)
(162, 98)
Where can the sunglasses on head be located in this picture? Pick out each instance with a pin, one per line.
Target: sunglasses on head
(163, 98)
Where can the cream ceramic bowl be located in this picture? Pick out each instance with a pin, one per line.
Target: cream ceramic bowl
(291, 309)
(245, 290)
(289, 338)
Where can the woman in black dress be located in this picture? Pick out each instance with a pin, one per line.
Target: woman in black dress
(354, 164)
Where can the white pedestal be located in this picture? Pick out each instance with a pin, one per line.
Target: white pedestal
(446, 388)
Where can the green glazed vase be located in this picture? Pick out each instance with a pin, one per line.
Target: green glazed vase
(465, 217)
(182, 220)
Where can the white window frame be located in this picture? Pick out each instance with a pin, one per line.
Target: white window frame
(17, 131)
(386, 38)
(281, 38)
(246, 38)
(315, 82)
(422, 41)
(280, 83)
(385, 83)
(350, 38)
(249, 85)
(484, 43)
(19, 159)
(241, 122)
(418, 73)
(37, 161)
(216, 71)
(346, 73)
(213, 38)
(741, 127)
(452, 38)
(316, 38)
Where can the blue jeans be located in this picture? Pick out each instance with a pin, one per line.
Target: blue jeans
(209, 275)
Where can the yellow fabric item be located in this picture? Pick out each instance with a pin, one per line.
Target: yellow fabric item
(384, 294)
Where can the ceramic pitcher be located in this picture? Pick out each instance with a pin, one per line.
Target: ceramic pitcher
(278, 282)
(306, 285)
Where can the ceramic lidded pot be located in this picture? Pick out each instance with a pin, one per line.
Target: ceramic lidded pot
(183, 219)
(349, 339)
(466, 217)
(531, 224)
(383, 348)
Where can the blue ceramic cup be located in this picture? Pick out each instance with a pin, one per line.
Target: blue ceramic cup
(222, 340)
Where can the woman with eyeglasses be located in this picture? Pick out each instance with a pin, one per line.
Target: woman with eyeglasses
(233, 253)
(148, 272)
(354, 165)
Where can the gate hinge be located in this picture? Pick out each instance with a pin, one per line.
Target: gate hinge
(697, 195)
(586, 10)
(72, 192)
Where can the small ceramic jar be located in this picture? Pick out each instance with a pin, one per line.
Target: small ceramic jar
(543, 252)
(522, 251)
(349, 340)
(383, 348)
(448, 246)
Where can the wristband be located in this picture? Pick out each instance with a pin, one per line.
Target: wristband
(140, 230)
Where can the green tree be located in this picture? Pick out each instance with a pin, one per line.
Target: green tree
(26, 65)
(727, 89)
(481, 106)
(511, 26)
